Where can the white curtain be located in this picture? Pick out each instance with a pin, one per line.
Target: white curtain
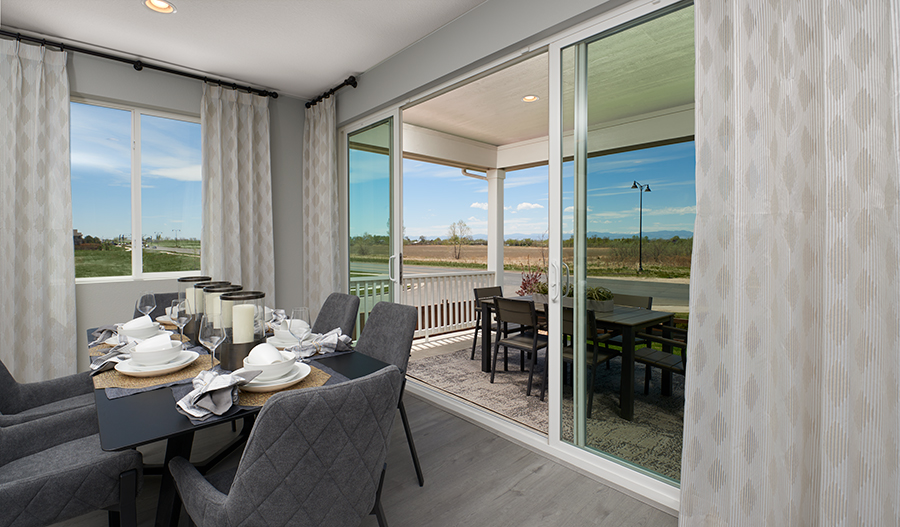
(792, 412)
(322, 261)
(237, 243)
(37, 266)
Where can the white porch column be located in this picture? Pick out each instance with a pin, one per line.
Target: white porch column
(495, 179)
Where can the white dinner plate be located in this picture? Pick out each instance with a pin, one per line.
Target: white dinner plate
(297, 374)
(164, 319)
(127, 367)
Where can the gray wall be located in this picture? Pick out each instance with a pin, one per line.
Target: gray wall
(491, 30)
(98, 79)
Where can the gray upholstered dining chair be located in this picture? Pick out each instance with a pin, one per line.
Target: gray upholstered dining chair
(52, 469)
(315, 457)
(163, 300)
(388, 337)
(338, 310)
(21, 402)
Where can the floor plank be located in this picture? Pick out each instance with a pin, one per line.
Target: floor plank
(473, 477)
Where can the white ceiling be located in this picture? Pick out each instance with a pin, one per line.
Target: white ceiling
(295, 47)
(645, 69)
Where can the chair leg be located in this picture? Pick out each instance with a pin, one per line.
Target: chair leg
(648, 373)
(127, 514)
(475, 336)
(531, 371)
(494, 365)
(412, 444)
(378, 510)
(546, 372)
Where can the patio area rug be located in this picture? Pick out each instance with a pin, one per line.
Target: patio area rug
(652, 440)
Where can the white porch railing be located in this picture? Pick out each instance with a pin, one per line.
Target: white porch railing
(444, 301)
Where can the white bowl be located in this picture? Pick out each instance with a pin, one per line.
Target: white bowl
(155, 357)
(141, 333)
(272, 371)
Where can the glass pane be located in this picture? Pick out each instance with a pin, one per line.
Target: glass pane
(100, 145)
(628, 202)
(170, 194)
(369, 196)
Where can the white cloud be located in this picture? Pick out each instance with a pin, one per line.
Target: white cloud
(482, 206)
(678, 211)
(528, 206)
(569, 209)
(183, 173)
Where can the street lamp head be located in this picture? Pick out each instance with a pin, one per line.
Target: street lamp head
(647, 189)
(635, 185)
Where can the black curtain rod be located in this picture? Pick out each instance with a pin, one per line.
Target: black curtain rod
(138, 65)
(351, 81)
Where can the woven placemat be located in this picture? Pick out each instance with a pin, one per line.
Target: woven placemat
(101, 348)
(114, 379)
(315, 378)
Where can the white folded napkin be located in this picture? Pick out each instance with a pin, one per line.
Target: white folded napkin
(114, 356)
(323, 343)
(213, 394)
(141, 322)
(159, 342)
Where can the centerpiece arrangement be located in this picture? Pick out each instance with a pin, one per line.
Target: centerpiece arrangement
(598, 299)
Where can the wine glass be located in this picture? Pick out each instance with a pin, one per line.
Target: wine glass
(298, 324)
(179, 315)
(146, 303)
(211, 334)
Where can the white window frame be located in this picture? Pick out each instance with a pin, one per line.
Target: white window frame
(137, 260)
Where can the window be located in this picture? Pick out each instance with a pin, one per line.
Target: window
(136, 206)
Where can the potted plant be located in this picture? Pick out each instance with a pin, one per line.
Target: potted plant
(599, 299)
(540, 293)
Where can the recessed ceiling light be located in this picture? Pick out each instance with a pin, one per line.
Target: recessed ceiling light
(530, 98)
(160, 6)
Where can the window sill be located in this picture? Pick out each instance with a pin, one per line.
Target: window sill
(149, 277)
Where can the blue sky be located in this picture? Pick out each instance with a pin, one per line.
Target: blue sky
(436, 196)
(101, 174)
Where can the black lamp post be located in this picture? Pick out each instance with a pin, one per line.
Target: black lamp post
(641, 190)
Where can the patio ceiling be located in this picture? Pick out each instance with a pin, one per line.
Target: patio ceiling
(646, 69)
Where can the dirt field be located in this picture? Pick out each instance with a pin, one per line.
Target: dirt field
(478, 254)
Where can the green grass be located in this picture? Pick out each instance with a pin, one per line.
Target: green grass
(117, 262)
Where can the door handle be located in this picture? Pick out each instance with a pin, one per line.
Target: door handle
(566, 290)
(391, 268)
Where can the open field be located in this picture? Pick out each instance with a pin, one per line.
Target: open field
(117, 262)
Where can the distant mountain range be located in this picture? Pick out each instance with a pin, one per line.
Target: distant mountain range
(652, 235)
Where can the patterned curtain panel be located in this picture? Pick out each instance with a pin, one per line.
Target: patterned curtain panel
(792, 413)
(322, 259)
(237, 243)
(37, 265)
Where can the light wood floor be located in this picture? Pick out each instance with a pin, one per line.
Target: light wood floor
(473, 478)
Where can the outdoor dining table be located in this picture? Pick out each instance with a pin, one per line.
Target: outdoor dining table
(625, 319)
(150, 416)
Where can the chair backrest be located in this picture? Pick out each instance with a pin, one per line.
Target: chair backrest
(515, 311)
(338, 311)
(486, 292)
(314, 457)
(163, 300)
(10, 396)
(645, 302)
(568, 322)
(388, 334)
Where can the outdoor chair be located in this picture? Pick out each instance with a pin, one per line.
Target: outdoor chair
(656, 358)
(643, 302)
(52, 469)
(486, 292)
(20, 402)
(593, 356)
(388, 337)
(163, 301)
(520, 312)
(338, 311)
(315, 457)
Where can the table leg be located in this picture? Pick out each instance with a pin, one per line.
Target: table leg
(627, 396)
(666, 386)
(168, 507)
(485, 337)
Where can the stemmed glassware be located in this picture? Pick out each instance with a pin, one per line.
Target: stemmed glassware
(146, 302)
(211, 334)
(179, 315)
(298, 324)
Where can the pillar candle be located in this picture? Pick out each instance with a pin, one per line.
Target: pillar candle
(213, 308)
(227, 306)
(189, 296)
(243, 318)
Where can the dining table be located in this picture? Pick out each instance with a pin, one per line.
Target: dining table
(150, 416)
(627, 320)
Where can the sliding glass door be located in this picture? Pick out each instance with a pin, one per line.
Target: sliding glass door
(374, 223)
(626, 127)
